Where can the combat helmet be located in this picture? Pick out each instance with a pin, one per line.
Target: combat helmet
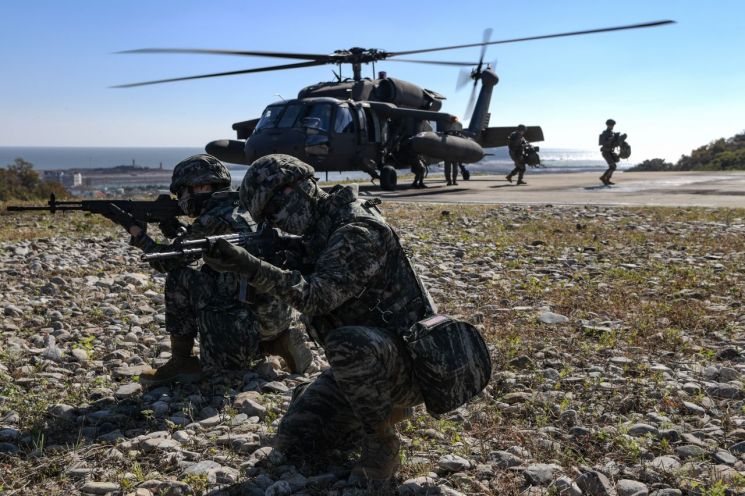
(199, 169)
(521, 127)
(266, 176)
(610, 122)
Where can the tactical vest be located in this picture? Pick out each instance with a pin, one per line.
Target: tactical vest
(226, 205)
(395, 298)
(605, 140)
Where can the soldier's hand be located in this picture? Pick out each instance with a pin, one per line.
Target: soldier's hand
(225, 257)
(172, 228)
(125, 219)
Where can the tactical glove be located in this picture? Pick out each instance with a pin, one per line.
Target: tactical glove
(124, 219)
(225, 257)
(172, 228)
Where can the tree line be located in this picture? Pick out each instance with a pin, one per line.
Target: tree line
(722, 154)
(19, 181)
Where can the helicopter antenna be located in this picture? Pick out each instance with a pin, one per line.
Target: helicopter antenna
(283, 98)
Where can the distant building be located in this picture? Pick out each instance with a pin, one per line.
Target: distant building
(77, 180)
(58, 177)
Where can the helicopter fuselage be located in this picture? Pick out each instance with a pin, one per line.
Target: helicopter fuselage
(389, 124)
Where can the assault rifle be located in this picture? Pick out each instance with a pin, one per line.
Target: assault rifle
(266, 244)
(162, 209)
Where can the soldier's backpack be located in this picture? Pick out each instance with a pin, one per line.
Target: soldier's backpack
(450, 360)
(601, 141)
(624, 150)
(531, 156)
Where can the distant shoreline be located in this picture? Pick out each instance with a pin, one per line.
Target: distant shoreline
(84, 158)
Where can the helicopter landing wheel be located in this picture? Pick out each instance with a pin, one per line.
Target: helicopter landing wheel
(388, 178)
(466, 174)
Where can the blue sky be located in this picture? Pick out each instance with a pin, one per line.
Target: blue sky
(671, 88)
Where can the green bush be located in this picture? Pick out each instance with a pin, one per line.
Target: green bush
(721, 154)
(19, 181)
(655, 164)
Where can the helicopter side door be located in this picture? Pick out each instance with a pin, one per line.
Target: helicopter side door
(317, 124)
(368, 137)
(343, 149)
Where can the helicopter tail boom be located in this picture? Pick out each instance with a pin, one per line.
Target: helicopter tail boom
(231, 151)
(494, 137)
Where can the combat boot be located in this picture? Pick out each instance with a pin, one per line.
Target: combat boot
(290, 346)
(181, 367)
(508, 177)
(380, 458)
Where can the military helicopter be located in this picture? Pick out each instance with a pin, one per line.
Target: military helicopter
(373, 125)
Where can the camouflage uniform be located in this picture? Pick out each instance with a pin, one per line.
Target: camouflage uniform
(516, 143)
(356, 297)
(608, 143)
(451, 168)
(357, 300)
(214, 304)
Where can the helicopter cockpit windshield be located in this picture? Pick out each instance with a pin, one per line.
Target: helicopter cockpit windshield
(292, 115)
(270, 117)
(321, 112)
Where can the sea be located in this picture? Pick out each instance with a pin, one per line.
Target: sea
(497, 161)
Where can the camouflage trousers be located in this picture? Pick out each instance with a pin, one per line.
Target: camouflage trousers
(451, 171)
(370, 374)
(205, 304)
(418, 168)
(519, 166)
(611, 159)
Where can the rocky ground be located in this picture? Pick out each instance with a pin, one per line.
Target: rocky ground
(616, 334)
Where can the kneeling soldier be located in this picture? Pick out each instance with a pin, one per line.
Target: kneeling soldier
(357, 299)
(232, 327)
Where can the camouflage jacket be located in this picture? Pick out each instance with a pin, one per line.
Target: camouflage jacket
(516, 143)
(360, 274)
(222, 215)
(607, 140)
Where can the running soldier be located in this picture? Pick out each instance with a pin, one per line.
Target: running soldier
(516, 144)
(232, 324)
(608, 141)
(356, 299)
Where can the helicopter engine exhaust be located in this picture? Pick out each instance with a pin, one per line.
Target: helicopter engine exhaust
(231, 151)
(404, 94)
(447, 147)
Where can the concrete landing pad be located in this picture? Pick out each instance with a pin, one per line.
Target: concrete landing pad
(705, 189)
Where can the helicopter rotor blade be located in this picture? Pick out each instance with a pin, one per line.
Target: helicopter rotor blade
(486, 38)
(542, 37)
(464, 77)
(243, 53)
(436, 62)
(471, 103)
(231, 73)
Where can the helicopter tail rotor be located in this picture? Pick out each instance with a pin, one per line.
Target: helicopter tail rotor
(474, 74)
